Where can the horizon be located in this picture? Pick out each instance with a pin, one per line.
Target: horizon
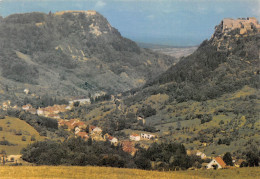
(163, 22)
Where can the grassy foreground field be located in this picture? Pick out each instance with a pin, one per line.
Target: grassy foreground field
(116, 173)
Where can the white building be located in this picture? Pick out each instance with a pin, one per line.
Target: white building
(201, 155)
(26, 91)
(135, 137)
(217, 163)
(147, 136)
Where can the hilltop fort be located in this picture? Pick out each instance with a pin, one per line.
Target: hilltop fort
(244, 24)
(76, 12)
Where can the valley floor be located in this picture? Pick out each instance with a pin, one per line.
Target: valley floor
(114, 173)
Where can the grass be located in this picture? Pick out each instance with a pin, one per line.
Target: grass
(11, 126)
(117, 173)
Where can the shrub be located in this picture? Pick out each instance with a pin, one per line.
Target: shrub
(33, 138)
(23, 138)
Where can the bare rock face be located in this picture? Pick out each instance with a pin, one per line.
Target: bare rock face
(72, 53)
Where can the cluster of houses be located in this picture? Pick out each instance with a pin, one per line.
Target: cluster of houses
(50, 111)
(197, 153)
(142, 136)
(215, 162)
(5, 105)
(218, 163)
(129, 147)
(80, 129)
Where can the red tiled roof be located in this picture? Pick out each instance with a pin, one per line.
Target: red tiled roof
(220, 161)
(80, 123)
(110, 138)
(92, 127)
(82, 134)
(128, 146)
(135, 135)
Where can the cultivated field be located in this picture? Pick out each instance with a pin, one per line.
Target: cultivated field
(116, 173)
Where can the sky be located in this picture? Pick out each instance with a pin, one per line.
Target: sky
(166, 22)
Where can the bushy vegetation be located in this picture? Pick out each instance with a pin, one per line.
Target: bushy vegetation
(209, 72)
(42, 101)
(166, 156)
(76, 151)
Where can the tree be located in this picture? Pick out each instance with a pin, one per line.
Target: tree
(228, 159)
(252, 159)
(143, 163)
(33, 138)
(244, 164)
(23, 138)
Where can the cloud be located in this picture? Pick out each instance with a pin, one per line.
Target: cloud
(100, 4)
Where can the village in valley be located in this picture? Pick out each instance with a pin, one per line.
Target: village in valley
(88, 132)
(85, 96)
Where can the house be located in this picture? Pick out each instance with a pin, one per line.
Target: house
(61, 122)
(201, 154)
(40, 111)
(197, 153)
(135, 137)
(32, 111)
(27, 107)
(83, 135)
(15, 107)
(139, 118)
(6, 105)
(51, 111)
(26, 91)
(13, 158)
(68, 108)
(216, 163)
(77, 130)
(95, 130)
(239, 162)
(147, 136)
(81, 101)
(112, 140)
(73, 124)
(128, 147)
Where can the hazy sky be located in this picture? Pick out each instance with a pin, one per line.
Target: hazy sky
(173, 22)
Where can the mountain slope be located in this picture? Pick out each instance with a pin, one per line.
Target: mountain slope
(225, 63)
(208, 101)
(72, 53)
